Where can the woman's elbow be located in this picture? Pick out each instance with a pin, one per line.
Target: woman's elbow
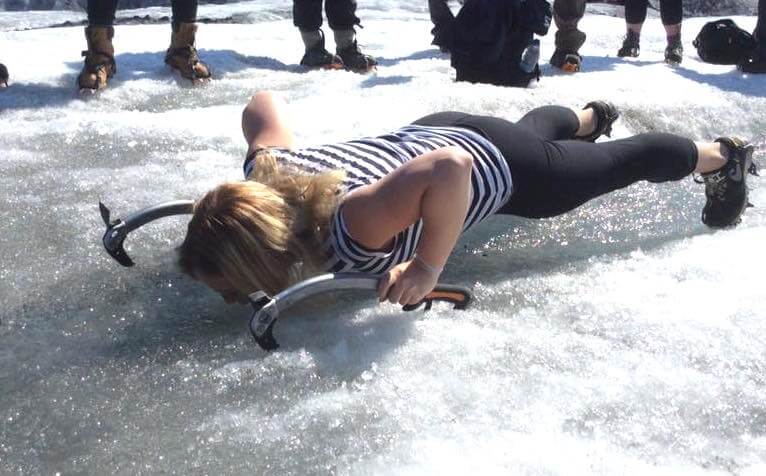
(262, 95)
(258, 101)
(457, 160)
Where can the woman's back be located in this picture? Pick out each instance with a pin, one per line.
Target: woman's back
(367, 160)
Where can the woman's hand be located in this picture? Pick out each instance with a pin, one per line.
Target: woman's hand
(407, 283)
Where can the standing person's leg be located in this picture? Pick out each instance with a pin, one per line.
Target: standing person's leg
(442, 18)
(569, 39)
(635, 15)
(341, 15)
(99, 57)
(307, 16)
(672, 12)
(757, 64)
(101, 12)
(760, 27)
(182, 53)
(4, 76)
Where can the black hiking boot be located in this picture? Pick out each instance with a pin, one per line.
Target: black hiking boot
(355, 60)
(566, 55)
(674, 52)
(606, 113)
(630, 47)
(318, 57)
(3, 76)
(725, 188)
(566, 61)
(756, 64)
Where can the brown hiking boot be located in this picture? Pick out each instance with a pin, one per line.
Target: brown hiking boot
(99, 58)
(182, 55)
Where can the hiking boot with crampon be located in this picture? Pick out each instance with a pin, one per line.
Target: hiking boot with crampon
(606, 113)
(318, 57)
(3, 76)
(630, 47)
(674, 53)
(726, 188)
(355, 60)
(99, 64)
(756, 64)
(182, 55)
(568, 42)
(566, 62)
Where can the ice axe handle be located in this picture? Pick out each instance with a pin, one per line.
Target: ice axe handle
(459, 296)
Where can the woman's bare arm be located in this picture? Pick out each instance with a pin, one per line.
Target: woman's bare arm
(264, 122)
(435, 187)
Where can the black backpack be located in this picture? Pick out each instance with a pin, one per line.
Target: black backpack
(723, 42)
(488, 38)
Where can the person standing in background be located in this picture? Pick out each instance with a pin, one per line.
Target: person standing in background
(569, 39)
(757, 63)
(99, 64)
(442, 18)
(341, 15)
(566, 14)
(671, 12)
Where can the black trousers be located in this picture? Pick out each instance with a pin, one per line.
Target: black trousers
(341, 14)
(440, 12)
(101, 12)
(567, 13)
(671, 11)
(553, 173)
(760, 27)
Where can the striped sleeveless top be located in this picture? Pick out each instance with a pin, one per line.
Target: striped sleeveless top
(370, 159)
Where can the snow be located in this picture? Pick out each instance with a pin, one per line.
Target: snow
(623, 338)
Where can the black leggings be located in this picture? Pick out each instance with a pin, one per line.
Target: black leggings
(553, 173)
(341, 14)
(101, 12)
(671, 11)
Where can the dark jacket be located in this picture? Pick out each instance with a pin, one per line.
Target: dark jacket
(488, 37)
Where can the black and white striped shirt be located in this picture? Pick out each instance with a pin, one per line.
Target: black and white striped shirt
(368, 160)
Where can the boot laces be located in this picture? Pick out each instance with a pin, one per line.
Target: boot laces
(716, 184)
(189, 51)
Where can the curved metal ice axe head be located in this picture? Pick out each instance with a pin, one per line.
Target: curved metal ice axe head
(117, 230)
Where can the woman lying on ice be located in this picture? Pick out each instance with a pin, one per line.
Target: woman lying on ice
(396, 204)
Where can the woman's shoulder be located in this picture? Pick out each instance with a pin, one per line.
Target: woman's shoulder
(278, 154)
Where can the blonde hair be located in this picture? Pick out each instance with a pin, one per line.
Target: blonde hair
(259, 232)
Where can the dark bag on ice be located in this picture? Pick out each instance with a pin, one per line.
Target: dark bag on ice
(723, 42)
(489, 37)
